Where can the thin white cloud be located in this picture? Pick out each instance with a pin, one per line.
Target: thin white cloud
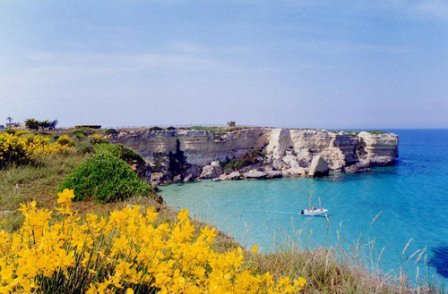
(109, 63)
(188, 58)
(435, 8)
(429, 9)
(417, 9)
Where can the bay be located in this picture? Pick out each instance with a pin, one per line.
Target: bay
(377, 212)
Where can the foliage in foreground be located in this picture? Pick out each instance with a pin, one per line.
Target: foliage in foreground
(26, 147)
(327, 273)
(120, 151)
(130, 250)
(105, 178)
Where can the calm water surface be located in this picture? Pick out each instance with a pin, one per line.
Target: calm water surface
(408, 200)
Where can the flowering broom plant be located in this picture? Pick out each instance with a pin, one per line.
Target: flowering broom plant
(19, 149)
(130, 251)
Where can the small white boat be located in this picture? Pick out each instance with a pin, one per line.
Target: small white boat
(315, 212)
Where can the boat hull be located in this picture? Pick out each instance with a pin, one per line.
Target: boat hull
(314, 212)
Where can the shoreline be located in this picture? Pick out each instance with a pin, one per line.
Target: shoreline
(183, 155)
(189, 190)
(55, 168)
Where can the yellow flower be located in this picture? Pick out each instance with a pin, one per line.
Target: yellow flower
(128, 248)
(301, 282)
(66, 196)
(151, 214)
(255, 249)
(65, 200)
(20, 148)
(208, 233)
(183, 215)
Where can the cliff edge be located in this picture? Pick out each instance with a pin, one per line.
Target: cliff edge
(255, 152)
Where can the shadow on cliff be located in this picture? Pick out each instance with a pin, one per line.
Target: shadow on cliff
(177, 161)
(439, 260)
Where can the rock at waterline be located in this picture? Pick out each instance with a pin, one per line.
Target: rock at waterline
(271, 174)
(356, 168)
(319, 167)
(255, 174)
(294, 172)
(233, 176)
(211, 171)
(156, 178)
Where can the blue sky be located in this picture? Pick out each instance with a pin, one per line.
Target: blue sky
(323, 64)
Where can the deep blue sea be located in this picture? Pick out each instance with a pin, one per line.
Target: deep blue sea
(376, 213)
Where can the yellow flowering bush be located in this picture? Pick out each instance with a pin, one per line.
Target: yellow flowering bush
(130, 251)
(65, 140)
(20, 149)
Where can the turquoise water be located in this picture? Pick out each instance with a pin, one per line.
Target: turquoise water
(383, 208)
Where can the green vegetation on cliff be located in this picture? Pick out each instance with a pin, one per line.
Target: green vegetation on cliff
(120, 151)
(105, 178)
(250, 158)
(323, 270)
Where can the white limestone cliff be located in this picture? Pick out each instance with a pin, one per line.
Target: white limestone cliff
(290, 151)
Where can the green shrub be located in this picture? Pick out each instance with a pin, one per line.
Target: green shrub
(251, 157)
(84, 147)
(377, 132)
(10, 131)
(221, 129)
(111, 149)
(98, 139)
(82, 132)
(204, 128)
(120, 151)
(65, 140)
(105, 178)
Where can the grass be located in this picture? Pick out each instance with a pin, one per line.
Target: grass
(39, 182)
(335, 270)
(120, 151)
(35, 181)
(214, 129)
(376, 132)
(324, 270)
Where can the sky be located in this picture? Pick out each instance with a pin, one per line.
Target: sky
(321, 64)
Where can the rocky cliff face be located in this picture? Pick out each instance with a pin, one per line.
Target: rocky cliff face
(186, 153)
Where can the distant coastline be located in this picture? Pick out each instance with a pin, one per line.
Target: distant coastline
(231, 153)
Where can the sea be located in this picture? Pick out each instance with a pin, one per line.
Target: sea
(393, 220)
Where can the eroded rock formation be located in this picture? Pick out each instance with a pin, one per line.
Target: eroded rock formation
(192, 154)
